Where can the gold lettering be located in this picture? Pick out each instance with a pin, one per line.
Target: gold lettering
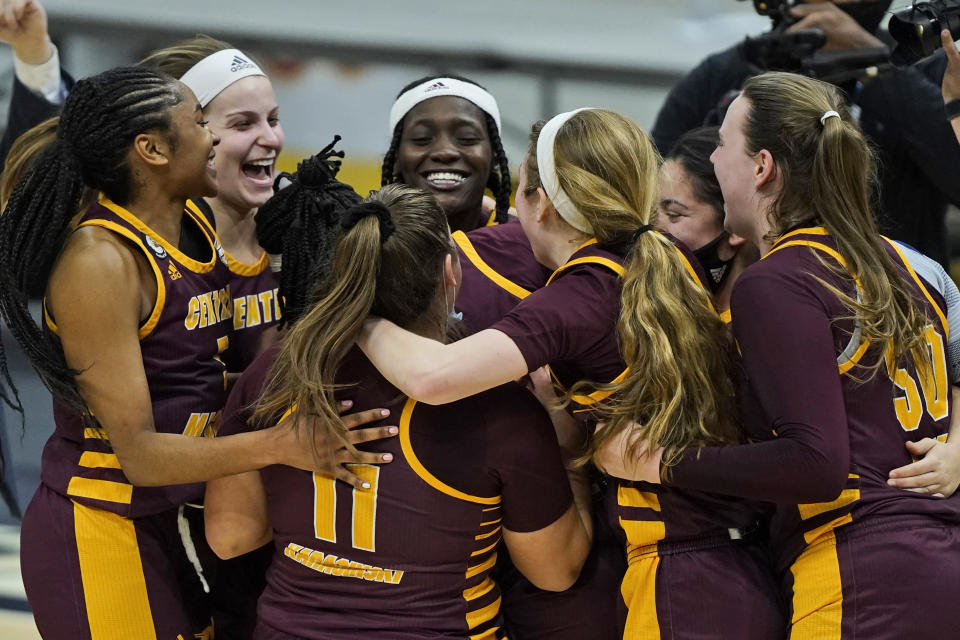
(265, 301)
(239, 312)
(276, 303)
(204, 310)
(253, 311)
(342, 567)
(193, 314)
(226, 303)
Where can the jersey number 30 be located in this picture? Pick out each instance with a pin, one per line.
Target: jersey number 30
(933, 383)
(363, 513)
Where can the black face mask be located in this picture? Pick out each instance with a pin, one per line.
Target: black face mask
(868, 15)
(717, 269)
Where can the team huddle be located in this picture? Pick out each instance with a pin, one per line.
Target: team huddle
(676, 393)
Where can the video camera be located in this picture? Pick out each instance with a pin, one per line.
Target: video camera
(917, 28)
(798, 51)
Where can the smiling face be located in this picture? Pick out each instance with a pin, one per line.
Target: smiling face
(246, 117)
(445, 149)
(690, 220)
(737, 172)
(191, 148)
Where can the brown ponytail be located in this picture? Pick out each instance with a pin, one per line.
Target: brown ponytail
(394, 276)
(827, 170)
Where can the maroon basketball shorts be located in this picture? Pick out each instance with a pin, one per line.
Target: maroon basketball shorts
(699, 589)
(888, 578)
(91, 574)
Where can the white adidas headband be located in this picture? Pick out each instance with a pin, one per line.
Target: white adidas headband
(443, 87)
(218, 71)
(548, 172)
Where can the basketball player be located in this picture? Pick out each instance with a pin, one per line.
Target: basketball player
(410, 556)
(591, 230)
(843, 345)
(132, 358)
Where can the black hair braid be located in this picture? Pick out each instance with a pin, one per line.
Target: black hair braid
(99, 121)
(387, 174)
(499, 184)
(301, 222)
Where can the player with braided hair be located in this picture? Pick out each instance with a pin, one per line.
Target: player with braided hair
(134, 329)
(301, 222)
(445, 135)
(446, 140)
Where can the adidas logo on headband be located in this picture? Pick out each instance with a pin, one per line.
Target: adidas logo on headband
(434, 87)
(239, 63)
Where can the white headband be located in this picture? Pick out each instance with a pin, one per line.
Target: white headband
(827, 115)
(218, 71)
(443, 87)
(548, 173)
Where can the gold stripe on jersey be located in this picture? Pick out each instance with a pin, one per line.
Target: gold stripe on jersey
(642, 533)
(807, 231)
(814, 534)
(486, 565)
(480, 590)
(501, 281)
(841, 505)
(639, 593)
(617, 268)
(244, 269)
(151, 322)
(846, 498)
(844, 365)
(726, 316)
(486, 614)
(833, 253)
(923, 288)
(492, 219)
(95, 489)
(95, 433)
(407, 447)
(848, 364)
(633, 497)
(94, 460)
(489, 634)
(114, 587)
(480, 552)
(194, 265)
(817, 592)
(482, 536)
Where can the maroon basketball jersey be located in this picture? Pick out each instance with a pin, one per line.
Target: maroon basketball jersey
(181, 344)
(256, 308)
(411, 557)
(499, 271)
(883, 408)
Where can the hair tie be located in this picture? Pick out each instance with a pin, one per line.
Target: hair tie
(640, 231)
(358, 212)
(826, 116)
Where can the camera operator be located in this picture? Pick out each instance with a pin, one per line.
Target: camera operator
(901, 111)
(951, 82)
